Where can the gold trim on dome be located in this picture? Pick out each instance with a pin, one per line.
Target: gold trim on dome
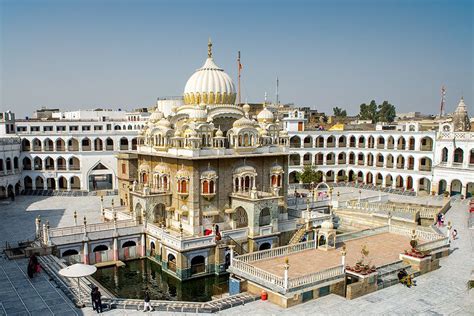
(209, 98)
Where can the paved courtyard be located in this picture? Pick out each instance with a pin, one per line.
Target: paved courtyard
(442, 292)
(383, 249)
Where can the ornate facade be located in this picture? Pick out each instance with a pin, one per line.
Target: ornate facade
(208, 169)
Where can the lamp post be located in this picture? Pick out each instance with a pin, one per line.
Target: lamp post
(75, 218)
(360, 193)
(287, 267)
(343, 258)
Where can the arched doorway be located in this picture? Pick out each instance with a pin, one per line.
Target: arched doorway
(442, 186)
(456, 187)
(100, 178)
(265, 217)
(129, 243)
(39, 183)
(265, 246)
(100, 248)
(171, 262)
(159, 214)
(51, 184)
(62, 182)
(198, 265)
(28, 183)
(70, 252)
(240, 217)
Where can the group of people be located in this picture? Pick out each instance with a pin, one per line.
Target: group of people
(405, 278)
(33, 266)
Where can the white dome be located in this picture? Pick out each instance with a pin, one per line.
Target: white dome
(265, 115)
(164, 123)
(327, 225)
(156, 116)
(209, 84)
(198, 114)
(243, 122)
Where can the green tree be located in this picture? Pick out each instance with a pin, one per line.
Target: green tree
(368, 111)
(309, 174)
(386, 112)
(338, 112)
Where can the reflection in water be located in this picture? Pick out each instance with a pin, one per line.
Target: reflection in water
(130, 281)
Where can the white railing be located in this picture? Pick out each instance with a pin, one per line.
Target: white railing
(423, 235)
(315, 277)
(276, 252)
(121, 215)
(65, 231)
(362, 233)
(257, 274)
(178, 242)
(457, 135)
(79, 229)
(434, 244)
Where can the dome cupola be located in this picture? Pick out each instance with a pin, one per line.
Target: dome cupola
(209, 84)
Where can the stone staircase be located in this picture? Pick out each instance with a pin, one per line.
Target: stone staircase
(298, 235)
(387, 274)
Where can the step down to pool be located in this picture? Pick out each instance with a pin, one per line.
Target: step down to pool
(117, 263)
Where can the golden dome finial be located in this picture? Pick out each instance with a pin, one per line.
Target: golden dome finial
(209, 48)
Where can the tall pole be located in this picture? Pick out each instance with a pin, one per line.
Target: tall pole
(239, 67)
(277, 96)
(443, 95)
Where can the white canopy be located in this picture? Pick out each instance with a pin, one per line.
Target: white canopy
(78, 270)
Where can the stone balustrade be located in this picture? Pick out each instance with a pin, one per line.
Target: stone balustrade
(316, 277)
(276, 252)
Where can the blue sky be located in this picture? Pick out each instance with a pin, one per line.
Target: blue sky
(124, 54)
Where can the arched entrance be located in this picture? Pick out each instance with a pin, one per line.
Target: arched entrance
(198, 265)
(171, 262)
(265, 246)
(240, 217)
(456, 187)
(442, 186)
(265, 217)
(159, 214)
(100, 178)
(100, 248)
(70, 252)
(129, 243)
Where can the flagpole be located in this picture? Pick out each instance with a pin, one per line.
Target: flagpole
(239, 66)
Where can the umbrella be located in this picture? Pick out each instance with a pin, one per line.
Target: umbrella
(78, 270)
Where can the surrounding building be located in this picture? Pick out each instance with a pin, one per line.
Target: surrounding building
(10, 170)
(75, 150)
(407, 155)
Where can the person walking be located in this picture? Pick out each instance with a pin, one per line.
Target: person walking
(146, 304)
(94, 307)
(455, 234)
(33, 266)
(97, 300)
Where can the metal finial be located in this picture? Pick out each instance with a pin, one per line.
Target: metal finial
(209, 48)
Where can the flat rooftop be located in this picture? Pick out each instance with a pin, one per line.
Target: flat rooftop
(383, 249)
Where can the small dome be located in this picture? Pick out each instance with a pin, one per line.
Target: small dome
(156, 116)
(246, 107)
(198, 114)
(243, 122)
(327, 225)
(164, 123)
(177, 133)
(219, 133)
(265, 115)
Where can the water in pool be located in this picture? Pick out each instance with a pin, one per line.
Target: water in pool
(130, 281)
